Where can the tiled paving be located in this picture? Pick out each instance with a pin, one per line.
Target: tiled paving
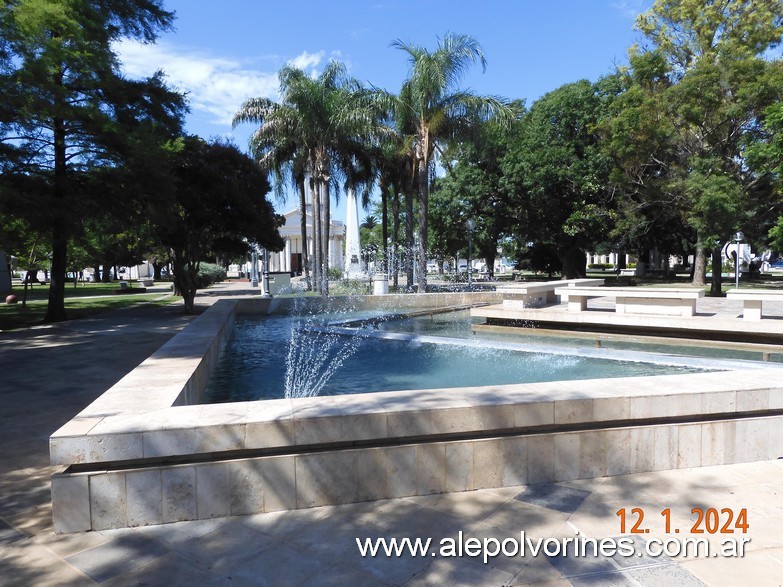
(47, 375)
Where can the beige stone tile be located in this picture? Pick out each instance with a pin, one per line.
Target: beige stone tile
(179, 493)
(665, 447)
(431, 468)
(326, 478)
(755, 568)
(719, 402)
(592, 454)
(618, 451)
(402, 424)
(372, 471)
(570, 411)
(689, 446)
(272, 433)
(614, 408)
(488, 463)
(459, 466)
(145, 497)
(364, 426)
(213, 490)
(317, 430)
(514, 458)
(534, 414)
(567, 453)
(751, 439)
(642, 449)
(108, 501)
(71, 503)
(279, 481)
(451, 420)
(540, 458)
(246, 490)
(717, 442)
(751, 400)
(402, 472)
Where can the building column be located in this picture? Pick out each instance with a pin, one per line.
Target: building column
(287, 258)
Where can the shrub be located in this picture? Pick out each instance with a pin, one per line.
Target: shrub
(601, 266)
(335, 273)
(209, 273)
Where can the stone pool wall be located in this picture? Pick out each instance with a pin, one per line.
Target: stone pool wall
(145, 453)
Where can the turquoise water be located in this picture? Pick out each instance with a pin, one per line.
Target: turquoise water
(253, 365)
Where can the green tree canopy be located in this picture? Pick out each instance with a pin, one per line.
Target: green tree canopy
(215, 206)
(67, 109)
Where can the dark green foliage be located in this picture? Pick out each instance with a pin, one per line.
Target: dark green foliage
(67, 110)
(209, 273)
(214, 206)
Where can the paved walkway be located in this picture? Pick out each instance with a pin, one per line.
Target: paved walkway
(49, 374)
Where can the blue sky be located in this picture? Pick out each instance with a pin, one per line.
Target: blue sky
(221, 53)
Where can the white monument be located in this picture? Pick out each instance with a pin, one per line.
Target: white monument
(353, 248)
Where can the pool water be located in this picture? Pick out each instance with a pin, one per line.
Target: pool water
(253, 364)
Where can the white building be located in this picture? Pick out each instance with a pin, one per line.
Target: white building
(290, 260)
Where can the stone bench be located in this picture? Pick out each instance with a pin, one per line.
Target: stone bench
(636, 300)
(539, 293)
(752, 300)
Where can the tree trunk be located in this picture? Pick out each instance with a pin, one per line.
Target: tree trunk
(409, 260)
(424, 192)
(326, 205)
(315, 193)
(55, 309)
(699, 264)
(573, 261)
(395, 203)
(717, 269)
(303, 227)
(384, 189)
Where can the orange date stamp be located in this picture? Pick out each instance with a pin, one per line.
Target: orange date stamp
(703, 521)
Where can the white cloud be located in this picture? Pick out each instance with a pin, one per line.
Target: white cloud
(214, 85)
(307, 60)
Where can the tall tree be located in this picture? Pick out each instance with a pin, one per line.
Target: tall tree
(439, 111)
(473, 188)
(214, 206)
(322, 119)
(556, 174)
(66, 106)
(710, 87)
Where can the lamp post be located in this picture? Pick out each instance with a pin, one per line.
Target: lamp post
(254, 268)
(739, 237)
(265, 274)
(471, 226)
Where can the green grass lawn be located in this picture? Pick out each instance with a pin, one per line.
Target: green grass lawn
(78, 303)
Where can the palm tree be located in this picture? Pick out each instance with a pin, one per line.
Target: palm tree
(318, 123)
(277, 148)
(437, 111)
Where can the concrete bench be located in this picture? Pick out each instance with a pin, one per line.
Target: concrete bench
(752, 300)
(636, 300)
(533, 294)
(145, 282)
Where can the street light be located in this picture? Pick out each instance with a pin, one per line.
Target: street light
(471, 226)
(739, 237)
(254, 268)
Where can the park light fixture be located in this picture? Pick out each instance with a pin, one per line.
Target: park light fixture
(471, 226)
(739, 237)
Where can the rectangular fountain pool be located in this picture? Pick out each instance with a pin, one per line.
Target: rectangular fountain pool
(280, 356)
